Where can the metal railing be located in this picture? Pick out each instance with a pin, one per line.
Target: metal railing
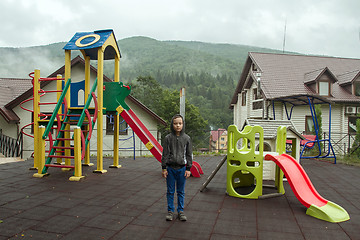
(11, 147)
(342, 142)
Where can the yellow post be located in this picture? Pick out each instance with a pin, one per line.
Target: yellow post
(116, 117)
(280, 149)
(41, 154)
(36, 118)
(67, 96)
(117, 69)
(100, 75)
(116, 142)
(87, 92)
(77, 155)
(59, 88)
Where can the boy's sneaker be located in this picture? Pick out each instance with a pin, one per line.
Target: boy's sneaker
(182, 216)
(170, 216)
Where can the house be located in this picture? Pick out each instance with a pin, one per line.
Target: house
(283, 86)
(218, 140)
(14, 119)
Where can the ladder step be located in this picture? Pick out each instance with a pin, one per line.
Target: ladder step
(57, 156)
(58, 166)
(59, 152)
(75, 122)
(58, 147)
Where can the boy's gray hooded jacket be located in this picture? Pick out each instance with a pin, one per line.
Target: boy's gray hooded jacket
(177, 150)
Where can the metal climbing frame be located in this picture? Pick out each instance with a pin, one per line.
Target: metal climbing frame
(311, 101)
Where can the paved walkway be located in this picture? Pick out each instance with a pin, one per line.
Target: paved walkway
(130, 203)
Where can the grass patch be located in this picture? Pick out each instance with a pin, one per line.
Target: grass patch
(349, 159)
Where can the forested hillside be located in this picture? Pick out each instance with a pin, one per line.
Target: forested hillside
(208, 71)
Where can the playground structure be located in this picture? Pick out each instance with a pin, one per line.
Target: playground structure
(80, 121)
(310, 144)
(245, 170)
(245, 165)
(245, 173)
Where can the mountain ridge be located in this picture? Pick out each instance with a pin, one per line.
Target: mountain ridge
(208, 70)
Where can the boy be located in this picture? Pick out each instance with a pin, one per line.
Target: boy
(176, 162)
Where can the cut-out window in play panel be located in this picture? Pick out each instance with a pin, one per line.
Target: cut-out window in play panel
(77, 91)
(243, 146)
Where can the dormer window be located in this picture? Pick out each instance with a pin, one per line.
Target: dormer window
(324, 88)
(321, 81)
(357, 88)
(254, 67)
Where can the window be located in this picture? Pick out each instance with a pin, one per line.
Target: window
(254, 67)
(357, 88)
(352, 124)
(309, 124)
(110, 125)
(324, 88)
(255, 95)
(257, 105)
(222, 139)
(243, 98)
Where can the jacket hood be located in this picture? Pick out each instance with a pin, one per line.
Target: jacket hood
(172, 125)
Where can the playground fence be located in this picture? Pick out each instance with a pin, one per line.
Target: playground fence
(341, 142)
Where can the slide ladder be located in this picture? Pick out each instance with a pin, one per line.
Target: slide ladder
(300, 183)
(63, 146)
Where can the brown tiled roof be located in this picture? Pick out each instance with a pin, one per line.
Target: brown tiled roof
(311, 77)
(284, 75)
(348, 77)
(10, 89)
(14, 91)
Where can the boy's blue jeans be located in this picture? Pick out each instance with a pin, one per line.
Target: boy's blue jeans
(175, 178)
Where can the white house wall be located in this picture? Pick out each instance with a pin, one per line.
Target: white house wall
(8, 129)
(339, 121)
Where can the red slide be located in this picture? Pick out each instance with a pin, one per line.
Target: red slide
(298, 180)
(305, 192)
(148, 139)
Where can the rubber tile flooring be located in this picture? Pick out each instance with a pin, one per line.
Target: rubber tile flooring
(130, 203)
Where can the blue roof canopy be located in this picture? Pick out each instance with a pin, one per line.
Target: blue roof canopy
(90, 42)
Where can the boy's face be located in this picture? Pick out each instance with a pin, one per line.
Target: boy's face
(178, 124)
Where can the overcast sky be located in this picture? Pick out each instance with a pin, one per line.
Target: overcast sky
(326, 27)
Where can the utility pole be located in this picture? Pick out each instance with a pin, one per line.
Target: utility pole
(182, 102)
(284, 41)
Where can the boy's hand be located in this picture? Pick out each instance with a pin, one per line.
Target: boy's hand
(187, 174)
(164, 173)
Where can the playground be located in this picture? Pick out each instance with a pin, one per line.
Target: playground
(119, 205)
(128, 201)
